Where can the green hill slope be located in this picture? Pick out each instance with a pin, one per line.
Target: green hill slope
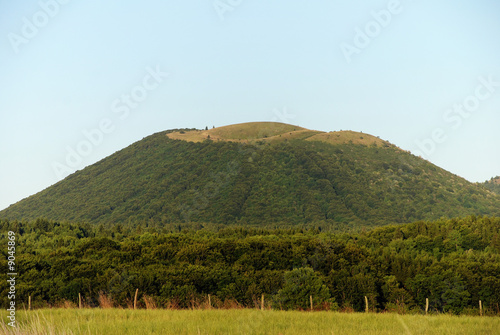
(493, 184)
(265, 174)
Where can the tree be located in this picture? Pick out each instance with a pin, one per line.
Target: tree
(299, 285)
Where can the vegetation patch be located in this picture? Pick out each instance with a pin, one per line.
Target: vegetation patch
(247, 321)
(448, 265)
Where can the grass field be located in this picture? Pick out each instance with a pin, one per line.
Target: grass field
(347, 136)
(245, 132)
(246, 321)
(274, 132)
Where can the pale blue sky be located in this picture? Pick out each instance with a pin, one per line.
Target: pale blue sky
(256, 61)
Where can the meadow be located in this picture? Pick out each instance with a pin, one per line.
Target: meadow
(240, 321)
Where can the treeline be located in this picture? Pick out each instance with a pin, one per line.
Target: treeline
(454, 263)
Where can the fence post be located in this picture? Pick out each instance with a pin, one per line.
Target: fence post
(262, 302)
(209, 302)
(135, 298)
(366, 304)
(426, 305)
(79, 300)
(29, 303)
(311, 300)
(480, 308)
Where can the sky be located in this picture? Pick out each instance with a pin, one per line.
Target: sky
(80, 80)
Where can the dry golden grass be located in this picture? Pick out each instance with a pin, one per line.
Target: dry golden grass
(275, 132)
(294, 135)
(252, 130)
(67, 304)
(243, 132)
(105, 301)
(149, 302)
(347, 136)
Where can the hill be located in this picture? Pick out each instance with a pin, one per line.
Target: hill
(260, 174)
(493, 184)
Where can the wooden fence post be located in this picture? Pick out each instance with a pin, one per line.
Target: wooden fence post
(426, 305)
(262, 302)
(480, 308)
(366, 304)
(135, 298)
(311, 300)
(29, 303)
(79, 300)
(209, 302)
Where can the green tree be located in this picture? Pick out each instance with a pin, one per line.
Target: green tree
(299, 285)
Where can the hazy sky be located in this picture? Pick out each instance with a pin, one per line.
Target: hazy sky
(80, 80)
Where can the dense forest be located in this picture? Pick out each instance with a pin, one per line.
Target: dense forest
(338, 187)
(452, 262)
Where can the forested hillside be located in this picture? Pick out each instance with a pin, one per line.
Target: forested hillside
(283, 176)
(454, 263)
(493, 185)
